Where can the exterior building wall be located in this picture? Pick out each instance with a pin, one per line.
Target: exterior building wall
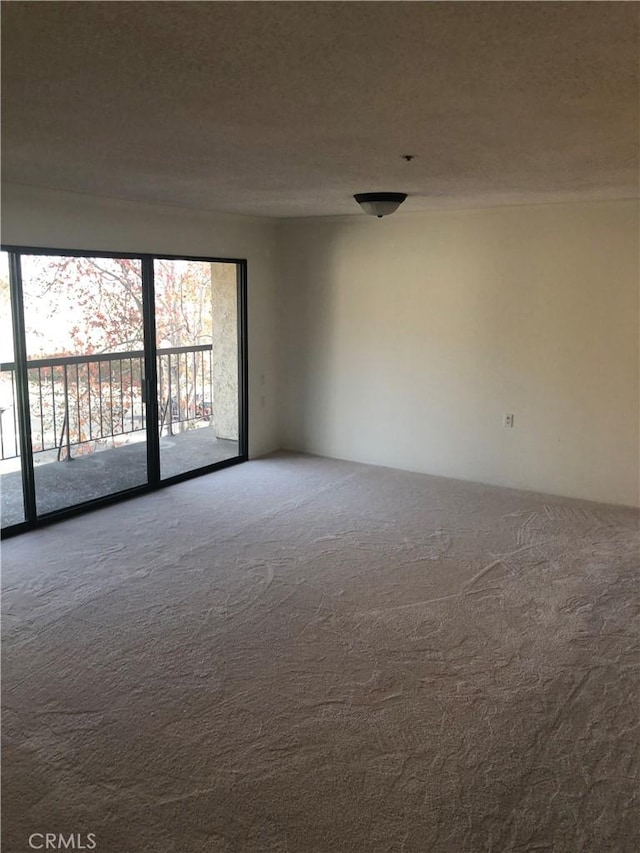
(225, 350)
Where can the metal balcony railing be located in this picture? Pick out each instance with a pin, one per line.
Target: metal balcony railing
(84, 401)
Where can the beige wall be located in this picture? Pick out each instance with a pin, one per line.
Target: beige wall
(406, 339)
(49, 218)
(224, 305)
(403, 341)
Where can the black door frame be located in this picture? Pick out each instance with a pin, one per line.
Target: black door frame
(32, 518)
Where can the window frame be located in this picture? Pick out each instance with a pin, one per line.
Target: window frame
(33, 519)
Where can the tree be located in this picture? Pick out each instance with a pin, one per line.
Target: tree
(93, 306)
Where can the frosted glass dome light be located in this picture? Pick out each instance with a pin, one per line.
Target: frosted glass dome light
(380, 204)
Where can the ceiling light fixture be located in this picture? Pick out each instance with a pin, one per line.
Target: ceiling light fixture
(380, 204)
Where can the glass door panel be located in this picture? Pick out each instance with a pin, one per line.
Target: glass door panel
(196, 313)
(11, 494)
(85, 371)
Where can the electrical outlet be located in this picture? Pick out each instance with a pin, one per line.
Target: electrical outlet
(507, 421)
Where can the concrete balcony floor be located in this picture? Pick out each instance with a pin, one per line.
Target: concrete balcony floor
(104, 472)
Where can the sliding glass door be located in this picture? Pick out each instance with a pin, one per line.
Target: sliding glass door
(197, 363)
(11, 491)
(85, 359)
(120, 374)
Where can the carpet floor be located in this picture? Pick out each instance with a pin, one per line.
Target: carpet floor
(306, 655)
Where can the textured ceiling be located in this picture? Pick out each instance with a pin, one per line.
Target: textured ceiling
(287, 109)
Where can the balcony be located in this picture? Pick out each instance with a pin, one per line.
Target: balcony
(88, 425)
